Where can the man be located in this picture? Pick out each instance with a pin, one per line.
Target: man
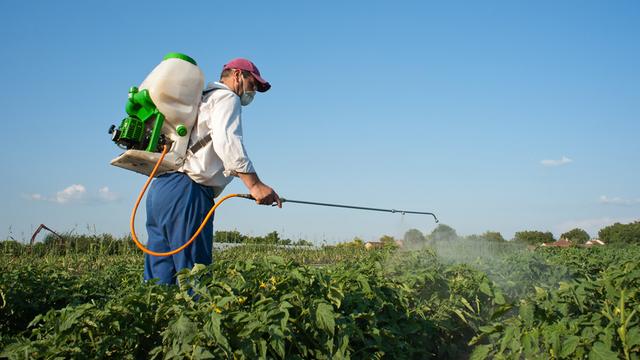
(178, 202)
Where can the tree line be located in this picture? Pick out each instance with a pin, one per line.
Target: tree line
(617, 233)
(272, 238)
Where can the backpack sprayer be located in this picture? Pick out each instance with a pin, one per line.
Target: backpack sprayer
(161, 112)
(155, 134)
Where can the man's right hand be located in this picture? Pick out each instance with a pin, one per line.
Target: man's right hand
(260, 191)
(265, 195)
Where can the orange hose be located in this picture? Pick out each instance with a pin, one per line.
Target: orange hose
(135, 209)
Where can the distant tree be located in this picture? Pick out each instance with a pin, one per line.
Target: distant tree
(533, 237)
(355, 243)
(487, 236)
(443, 233)
(230, 237)
(388, 241)
(493, 236)
(621, 233)
(576, 236)
(474, 237)
(414, 238)
(272, 238)
(302, 242)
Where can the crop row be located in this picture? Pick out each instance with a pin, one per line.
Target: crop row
(270, 302)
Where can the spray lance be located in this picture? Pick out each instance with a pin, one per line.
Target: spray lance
(283, 200)
(226, 197)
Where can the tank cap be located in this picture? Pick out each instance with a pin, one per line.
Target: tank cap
(181, 130)
(175, 55)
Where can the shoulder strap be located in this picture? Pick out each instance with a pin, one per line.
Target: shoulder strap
(200, 144)
(205, 140)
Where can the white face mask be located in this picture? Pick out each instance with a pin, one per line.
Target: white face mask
(247, 97)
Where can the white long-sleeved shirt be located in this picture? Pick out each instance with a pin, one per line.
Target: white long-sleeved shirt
(216, 163)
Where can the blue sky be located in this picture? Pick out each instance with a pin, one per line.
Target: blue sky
(495, 115)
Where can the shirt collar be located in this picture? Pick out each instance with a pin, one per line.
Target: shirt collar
(216, 85)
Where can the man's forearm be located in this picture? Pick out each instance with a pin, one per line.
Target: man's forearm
(250, 180)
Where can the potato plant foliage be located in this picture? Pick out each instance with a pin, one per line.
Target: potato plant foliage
(345, 303)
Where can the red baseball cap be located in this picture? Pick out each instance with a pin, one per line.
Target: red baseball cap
(244, 64)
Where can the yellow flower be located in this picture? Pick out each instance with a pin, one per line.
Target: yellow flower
(263, 285)
(241, 300)
(216, 309)
(273, 280)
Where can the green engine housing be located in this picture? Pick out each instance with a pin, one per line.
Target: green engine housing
(132, 130)
(137, 131)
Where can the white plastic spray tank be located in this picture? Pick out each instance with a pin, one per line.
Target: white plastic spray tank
(161, 111)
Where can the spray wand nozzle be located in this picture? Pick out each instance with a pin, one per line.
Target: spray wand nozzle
(403, 212)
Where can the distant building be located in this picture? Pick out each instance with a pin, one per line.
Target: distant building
(373, 245)
(593, 242)
(563, 243)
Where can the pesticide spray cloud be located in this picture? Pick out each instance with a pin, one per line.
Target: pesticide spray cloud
(511, 265)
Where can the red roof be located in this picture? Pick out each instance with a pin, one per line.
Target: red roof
(560, 243)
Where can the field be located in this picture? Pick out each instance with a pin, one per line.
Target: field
(455, 300)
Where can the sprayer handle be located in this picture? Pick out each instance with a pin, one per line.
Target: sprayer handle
(248, 196)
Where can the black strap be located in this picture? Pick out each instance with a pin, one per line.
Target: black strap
(200, 144)
(205, 140)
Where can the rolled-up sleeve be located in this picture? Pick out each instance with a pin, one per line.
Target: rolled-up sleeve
(226, 135)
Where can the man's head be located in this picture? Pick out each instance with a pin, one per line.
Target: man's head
(243, 78)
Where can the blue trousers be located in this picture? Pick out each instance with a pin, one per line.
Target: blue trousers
(176, 206)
